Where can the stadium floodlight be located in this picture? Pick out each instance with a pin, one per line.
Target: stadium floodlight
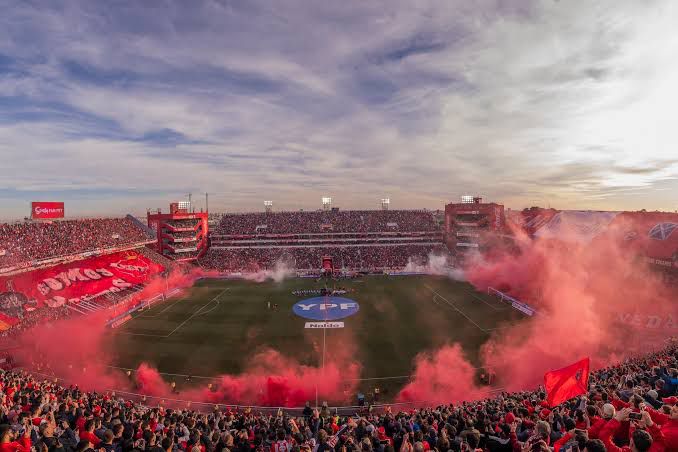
(185, 205)
(467, 199)
(327, 203)
(384, 203)
(268, 206)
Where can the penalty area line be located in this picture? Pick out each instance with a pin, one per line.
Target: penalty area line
(496, 308)
(212, 309)
(164, 310)
(453, 306)
(197, 312)
(182, 323)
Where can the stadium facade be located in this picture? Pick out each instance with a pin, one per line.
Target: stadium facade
(182, 235)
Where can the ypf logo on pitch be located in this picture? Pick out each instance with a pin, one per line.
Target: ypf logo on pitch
(325, 308)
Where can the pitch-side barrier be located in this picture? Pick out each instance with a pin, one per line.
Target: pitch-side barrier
(175, 401)
(515, 303)
(121, 319)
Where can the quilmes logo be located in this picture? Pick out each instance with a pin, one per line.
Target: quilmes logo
(41, 210)
(325, 308)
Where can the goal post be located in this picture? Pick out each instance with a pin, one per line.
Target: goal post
(515, 303)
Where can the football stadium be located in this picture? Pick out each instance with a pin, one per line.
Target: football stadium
(347, 308)
(431, 226)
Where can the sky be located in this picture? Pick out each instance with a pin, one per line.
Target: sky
(115, 107)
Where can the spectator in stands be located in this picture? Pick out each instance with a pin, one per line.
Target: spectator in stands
(357, 240)
(511, 421)
(34, 241)
(15, 441)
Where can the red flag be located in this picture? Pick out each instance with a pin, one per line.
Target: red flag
(568, 382)
(7, 322)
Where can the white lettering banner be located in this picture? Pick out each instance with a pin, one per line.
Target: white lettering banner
(314, 325)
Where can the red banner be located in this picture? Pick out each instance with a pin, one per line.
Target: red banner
(42, 210)
(74, 282)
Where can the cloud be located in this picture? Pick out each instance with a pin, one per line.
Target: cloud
(569, 104)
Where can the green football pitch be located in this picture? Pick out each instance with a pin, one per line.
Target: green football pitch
(215, 326)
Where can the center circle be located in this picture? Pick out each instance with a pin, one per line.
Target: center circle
(325, 308)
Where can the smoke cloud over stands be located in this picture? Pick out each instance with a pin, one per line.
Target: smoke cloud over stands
(596, 299)
(583, 293)
(81, 356)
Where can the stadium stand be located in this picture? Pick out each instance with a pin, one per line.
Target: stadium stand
(24, 244)
(42, 415)
(38, 412)
(322, 221)
(359, 258)
(360, 240)
(653, 235)
(51, 270)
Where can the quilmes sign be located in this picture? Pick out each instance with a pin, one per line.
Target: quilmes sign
(325, 308)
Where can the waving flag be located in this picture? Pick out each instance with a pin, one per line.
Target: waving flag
(7, 322)
(568, 382)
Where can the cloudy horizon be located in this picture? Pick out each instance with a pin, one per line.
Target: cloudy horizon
(115, 107)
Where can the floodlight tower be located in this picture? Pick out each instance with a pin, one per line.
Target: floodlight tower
(384, 203)
(327, 203)
(467, 199)
(268, 206)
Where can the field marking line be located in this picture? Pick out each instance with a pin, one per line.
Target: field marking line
(140, 334)
(181, 324)
(202, 377)
(354, 408)
(167, 373)
(453, 306)
(496, 308)
(499, 328)
(197, 312)
(164, 310)
(487, 330)
(212, 309)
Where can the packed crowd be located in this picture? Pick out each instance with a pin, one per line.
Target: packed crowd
(348, 257)
(35, 318)
(183, 224)
(325, 241)
(33, 314)
(31, 241)
(629, 407)
(184, 235)
(320, 292)
(320, 221)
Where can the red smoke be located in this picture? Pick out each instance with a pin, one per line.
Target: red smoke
(72, 349)
(76, 350)
(442, 377)
(271, 379)
(150, 382)
(178, 278)
(580, 291)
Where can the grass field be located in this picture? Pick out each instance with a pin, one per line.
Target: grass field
(213, 327)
